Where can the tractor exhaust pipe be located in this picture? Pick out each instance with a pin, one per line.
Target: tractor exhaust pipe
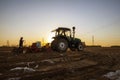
(73, 32)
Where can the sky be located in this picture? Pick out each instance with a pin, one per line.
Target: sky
(35, 19)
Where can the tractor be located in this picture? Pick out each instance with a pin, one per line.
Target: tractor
(64, 39)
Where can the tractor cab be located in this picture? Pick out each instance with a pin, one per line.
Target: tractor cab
(61, 31)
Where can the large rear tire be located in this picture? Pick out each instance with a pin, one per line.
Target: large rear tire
(62, 45)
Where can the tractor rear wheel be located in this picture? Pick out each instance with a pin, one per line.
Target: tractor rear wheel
(62, 45)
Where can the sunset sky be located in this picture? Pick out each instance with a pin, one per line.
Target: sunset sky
(35, 19)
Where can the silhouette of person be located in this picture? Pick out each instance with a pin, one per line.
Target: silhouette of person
(21, 42)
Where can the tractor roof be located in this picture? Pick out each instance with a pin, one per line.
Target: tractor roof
(61, 28)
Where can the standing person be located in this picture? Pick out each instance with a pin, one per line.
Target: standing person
(20, 49)
(21, 42)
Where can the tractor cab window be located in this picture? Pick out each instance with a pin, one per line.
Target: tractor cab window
(68, 33)
(60, 32)
(63, 33)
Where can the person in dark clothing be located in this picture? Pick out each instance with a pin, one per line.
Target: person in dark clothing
(21, 42)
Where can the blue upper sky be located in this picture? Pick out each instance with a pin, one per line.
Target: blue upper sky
(34, 19)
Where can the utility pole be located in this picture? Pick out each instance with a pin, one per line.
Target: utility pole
(93, 40)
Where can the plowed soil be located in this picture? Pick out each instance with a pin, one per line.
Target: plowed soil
(90, 64)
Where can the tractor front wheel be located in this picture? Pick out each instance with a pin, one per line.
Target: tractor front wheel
(80, 47)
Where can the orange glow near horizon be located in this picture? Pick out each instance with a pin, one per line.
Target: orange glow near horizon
(29, 41)
(47, 38)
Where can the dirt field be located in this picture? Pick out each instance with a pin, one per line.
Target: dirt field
(91, 64)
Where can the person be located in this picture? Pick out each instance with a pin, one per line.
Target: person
(21, 42)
